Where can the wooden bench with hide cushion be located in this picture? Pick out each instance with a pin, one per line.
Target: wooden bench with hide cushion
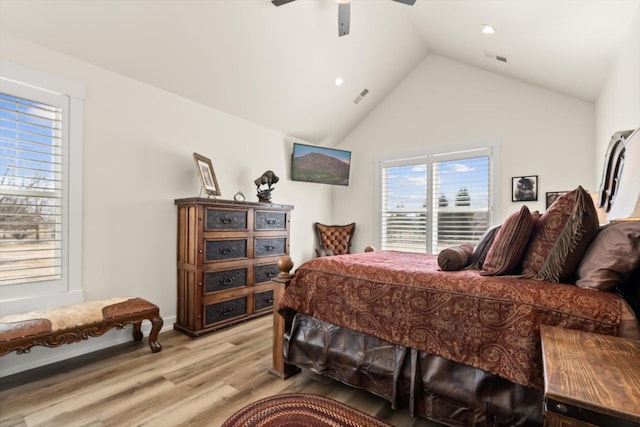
(73, 323)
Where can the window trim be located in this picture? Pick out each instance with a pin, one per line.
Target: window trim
(29, 296)
(439, 153)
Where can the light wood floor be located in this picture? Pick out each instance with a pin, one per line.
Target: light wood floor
(195, 382)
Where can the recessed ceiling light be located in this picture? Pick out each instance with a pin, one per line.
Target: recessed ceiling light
(339, 81)
(488, 29)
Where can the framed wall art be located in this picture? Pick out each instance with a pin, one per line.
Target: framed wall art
(524, 188)
(320, 164)
(551, 197)
(206, 174)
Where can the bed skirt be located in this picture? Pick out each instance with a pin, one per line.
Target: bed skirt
(430, 386)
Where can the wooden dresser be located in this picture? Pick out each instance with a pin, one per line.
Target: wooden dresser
(590, 380)
(227, 255)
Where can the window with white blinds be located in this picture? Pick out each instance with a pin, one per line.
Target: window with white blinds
(30, 190)
(432, 202)
(40, 189)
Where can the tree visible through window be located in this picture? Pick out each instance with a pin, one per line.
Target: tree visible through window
(433, 202)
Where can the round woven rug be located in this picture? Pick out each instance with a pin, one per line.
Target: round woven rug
(300, 409)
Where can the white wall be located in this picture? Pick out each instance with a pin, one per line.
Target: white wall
(138, 145)
(618, 106)
(444, 103)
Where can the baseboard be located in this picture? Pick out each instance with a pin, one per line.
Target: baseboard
(39, 356)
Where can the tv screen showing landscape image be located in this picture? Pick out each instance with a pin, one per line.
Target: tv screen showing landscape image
(319, 164)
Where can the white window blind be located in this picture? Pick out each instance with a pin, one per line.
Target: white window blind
(41, 128)
(433, 202)
(404, 202)
(461, 201)
(30, 190)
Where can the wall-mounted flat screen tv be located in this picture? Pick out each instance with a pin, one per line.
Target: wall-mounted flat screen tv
(319, 164)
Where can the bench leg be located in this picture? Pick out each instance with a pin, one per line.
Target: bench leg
(156, 323)
(137, 333)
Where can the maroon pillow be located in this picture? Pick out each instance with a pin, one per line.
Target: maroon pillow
(561, 237)
(612, 256)
(455, 258)
(510, 243)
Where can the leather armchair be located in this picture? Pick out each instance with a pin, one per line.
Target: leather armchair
(334, 239)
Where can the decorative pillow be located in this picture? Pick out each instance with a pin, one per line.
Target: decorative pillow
(510, 242)
(480, 251)
(561, 237)
(455, 258)
(612, 256)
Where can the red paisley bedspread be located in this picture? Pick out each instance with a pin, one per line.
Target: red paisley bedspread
(491, 323)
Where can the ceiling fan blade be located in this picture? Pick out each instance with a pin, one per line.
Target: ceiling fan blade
(344, 12)
(280, 2)
(409, 2)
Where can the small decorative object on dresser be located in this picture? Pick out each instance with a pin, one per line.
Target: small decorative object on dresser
(269, 179)
(524, 188)
(206, 174)
(228, 253)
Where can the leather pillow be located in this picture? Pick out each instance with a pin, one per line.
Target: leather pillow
(455, 258)
(612, 256)
(561, 237)
(510, 242)
(479, 253)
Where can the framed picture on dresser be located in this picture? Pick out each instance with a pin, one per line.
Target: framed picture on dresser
(207, 175)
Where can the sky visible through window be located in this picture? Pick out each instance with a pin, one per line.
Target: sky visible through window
(28, 132)
(408, 185)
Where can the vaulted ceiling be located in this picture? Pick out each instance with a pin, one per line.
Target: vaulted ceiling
(276, 66)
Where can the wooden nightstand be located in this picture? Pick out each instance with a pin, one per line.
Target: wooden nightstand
(590, 379)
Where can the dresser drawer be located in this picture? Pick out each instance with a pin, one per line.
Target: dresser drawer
(216, 250)
(226, 310)
(225, 219)
(271, 246)
(268, 220)
(264, 273)
(223, 280)
(263, 300)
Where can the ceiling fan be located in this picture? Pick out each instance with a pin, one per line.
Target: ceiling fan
(344, 7)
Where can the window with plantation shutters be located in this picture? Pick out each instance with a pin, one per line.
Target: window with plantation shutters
(40, 189)
(30, 190)
(432, 202)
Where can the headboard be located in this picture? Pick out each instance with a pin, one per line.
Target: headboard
(620, 196)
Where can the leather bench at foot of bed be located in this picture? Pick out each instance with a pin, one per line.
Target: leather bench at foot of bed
(73, 323)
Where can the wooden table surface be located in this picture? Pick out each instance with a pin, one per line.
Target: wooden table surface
(592, 371)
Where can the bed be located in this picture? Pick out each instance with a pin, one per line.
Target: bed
(462, 347)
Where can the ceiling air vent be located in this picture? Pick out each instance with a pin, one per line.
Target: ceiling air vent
(496, 57)
(362, 95)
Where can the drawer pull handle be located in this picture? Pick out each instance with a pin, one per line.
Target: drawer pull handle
(227, 281)
(227, 220)
(269, 300)
(226, 311)
(226, 250)
(561, 408)
(269, 247)
(271, 273)
(271, 221)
